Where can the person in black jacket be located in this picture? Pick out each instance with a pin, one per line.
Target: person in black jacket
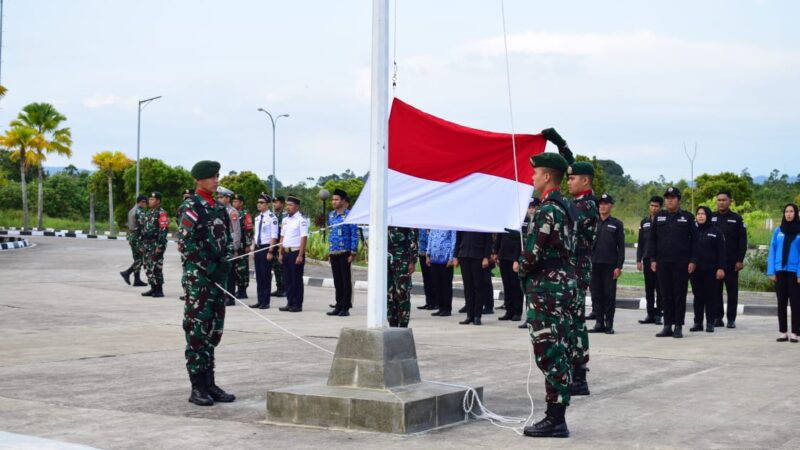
(505, 253)
(735, 231)
(608, 256)
(673, 252)
(474, 250)
(710, 269)
(655, 308)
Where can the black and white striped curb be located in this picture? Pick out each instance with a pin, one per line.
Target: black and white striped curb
(79, 234)
(9, 243)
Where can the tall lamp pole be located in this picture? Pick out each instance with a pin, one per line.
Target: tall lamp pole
(691, 164)
(142, 104)
(274, 123)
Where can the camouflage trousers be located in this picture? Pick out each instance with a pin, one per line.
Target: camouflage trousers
(549, 323)
(138, 258)
(203, 322)
(398, 310)
(242, 268)
(154, 265)
(277, 270)
(578, 333)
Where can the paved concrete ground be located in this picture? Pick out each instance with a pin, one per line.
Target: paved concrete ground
(86, 360)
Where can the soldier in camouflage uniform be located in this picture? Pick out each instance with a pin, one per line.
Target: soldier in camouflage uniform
(187, 193)
(154, 241)
(224, 197)
(549, 281)
(136, 217)
(242, 265)
(580, 176)
(205, 242)
(402, 262)
(277, 268)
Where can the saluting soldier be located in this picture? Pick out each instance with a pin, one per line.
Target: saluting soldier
(294, 238)
(224, 196)
(735, 231)
(655, 308)
(607, 260)
(206, 244)
(549, 283)
(154, 240)
(242, 265)
(278, 204)
(402, 246)
(136, 218)
(673, 253)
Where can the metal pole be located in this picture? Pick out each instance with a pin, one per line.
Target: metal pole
(274, 122)
(1, 41)
(376, 294)
(142, 103)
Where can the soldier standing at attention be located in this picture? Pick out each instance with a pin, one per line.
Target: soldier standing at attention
(186, 194)
(549, 281)
(402, 245)
(294, 237)
(136, 217)
(205, 242)
(607, 260)
(154, 240)
(242, 265)
(224, 197)
(527, 228)
(735, 231)
(673, 253)
(266, 235)
(655, 307)
(342, 249)
(580, 176)
(278, 204)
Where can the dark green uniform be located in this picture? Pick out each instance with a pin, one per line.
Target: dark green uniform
(154, 241)
(206, 244)
(402, 255)
(586, 208)
(136, 219)
(549, 281)
(243, 264)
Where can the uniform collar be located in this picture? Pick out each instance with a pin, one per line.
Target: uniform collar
(547, 192)
(584, 193)
(206, 196)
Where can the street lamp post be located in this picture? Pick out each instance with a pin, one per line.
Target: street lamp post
(274, 123)
(142, 104)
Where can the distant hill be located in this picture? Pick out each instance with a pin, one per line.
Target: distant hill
(52, 170)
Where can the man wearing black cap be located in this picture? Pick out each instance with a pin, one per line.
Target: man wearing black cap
(266, 235)
(206, 244)
(136, 218)
(294, 236)
(278, 204)
(655, 308)
(607, 260)
(242, 265)
(154, 240)
(735, 232)
(673, 253)
(342, 249)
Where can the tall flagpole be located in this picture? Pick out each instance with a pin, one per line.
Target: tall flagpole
(379, 119)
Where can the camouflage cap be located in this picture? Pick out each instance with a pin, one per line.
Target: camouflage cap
(550, 160)
(205, 169)
(581, 168)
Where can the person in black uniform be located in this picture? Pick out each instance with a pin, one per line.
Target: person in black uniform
(710, 269)
(608, 256)
(672, 250)
(735, 231)
(655, 308)
(505, 253)
(474, 251)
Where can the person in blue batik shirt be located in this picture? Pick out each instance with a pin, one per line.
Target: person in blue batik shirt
(441, 245)
(342, 249)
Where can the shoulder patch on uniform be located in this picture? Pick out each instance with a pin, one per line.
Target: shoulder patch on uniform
(192, 215)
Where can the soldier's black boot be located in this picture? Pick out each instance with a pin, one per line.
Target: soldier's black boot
(678, 332)
(215, 391)
(126, 275)
(579, 384)
(242, 294)
(199, 395)
(137, 281)
(149, 292)
(158, 292)
(665, 332)
(599, 326)
(659, 319)
(648, 319)
(553, 424)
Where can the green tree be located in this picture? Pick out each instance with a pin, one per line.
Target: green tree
(111, 163)
(352, 186)
(23, 141)
(709, 185)
(247, 184)
(156, 175)
(46, 120)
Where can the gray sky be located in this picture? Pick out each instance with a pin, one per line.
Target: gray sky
(625, 80)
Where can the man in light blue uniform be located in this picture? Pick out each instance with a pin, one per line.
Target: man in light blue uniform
(342, 249)
(440, 249)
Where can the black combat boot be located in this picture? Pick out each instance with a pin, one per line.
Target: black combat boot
(158, 292)
(665, 332)
(199, 394)
(242, 294)
(149, 292)
(610, 326)
(659, 319)
(523, 325)
(678, 332)
(215, 391)
(648, 319)
(138, 281)
(579, 384)
(553, 424)
(126, 275)
(599, 326)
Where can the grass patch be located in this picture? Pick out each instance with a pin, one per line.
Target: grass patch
(13, 218)
(635, 279)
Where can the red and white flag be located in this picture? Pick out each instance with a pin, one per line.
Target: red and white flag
(446, 176)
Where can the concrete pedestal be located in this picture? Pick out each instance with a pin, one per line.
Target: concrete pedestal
(373, 385)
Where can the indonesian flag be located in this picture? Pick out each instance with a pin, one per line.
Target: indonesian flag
(446, 176)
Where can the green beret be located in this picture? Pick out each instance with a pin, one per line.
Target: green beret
(205, 169)
(581, 168)
(550, 160)
(155, 194)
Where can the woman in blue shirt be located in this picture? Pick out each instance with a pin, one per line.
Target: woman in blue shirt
(782, 267)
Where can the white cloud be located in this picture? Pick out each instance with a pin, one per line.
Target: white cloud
(98, 100)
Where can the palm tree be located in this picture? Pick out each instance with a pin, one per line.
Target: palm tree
(45, 119)
(111, 162)
(24, 141)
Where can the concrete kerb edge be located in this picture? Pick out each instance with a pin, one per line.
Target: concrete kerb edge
(78, 234)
